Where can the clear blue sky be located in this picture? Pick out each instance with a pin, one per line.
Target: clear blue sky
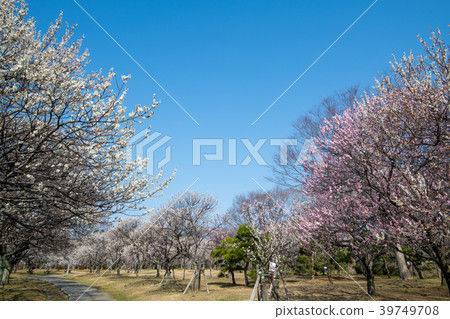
(227, 61)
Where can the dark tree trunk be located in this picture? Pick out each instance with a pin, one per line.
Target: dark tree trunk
(329, 276)
(232, 277)
(419, 272)
(446, 276)
(371, 284)
(263, 290)
(329, 273)
(445, 271)
(388, 273)
(245, 274)
(370, 278)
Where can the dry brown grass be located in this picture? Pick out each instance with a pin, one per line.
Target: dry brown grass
(146, 287)
(343, 288)
(30, 290)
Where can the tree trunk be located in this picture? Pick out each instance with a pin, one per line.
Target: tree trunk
(370, 283)
(437, 270)
(138, 270)
(158, 270)
(417, 269)
(412, 271)
(388, 273)
(403, 271)
(232, 277)
(5, 270)
(184, 270)
(329, 275)
(263, 290)
(370, 278)
(284, 284)
(351, 266)
(419, 272)
(194, 284)
(446, 277)
(445, 271)
(167, 275)
(245, 274)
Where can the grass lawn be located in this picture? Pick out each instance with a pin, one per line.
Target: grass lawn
(146, 287)
(31, 290)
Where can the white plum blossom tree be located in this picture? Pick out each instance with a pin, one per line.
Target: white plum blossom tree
(64, 135)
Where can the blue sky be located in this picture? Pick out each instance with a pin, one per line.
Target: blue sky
(226, 62)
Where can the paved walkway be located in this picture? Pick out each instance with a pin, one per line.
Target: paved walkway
(74, 289)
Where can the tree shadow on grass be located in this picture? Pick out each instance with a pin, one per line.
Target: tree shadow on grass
(227, 284)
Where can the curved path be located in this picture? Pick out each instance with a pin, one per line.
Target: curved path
(74, 289)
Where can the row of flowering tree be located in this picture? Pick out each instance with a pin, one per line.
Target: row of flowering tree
(380, 177)
(181, 231)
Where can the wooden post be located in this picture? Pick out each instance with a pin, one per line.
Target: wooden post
(255, 288)
(194, 284)
(162, 279)
(199, 278)
(68, 267)
(271, 287)
(187, 287)
(206, 283)
(284, 284)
